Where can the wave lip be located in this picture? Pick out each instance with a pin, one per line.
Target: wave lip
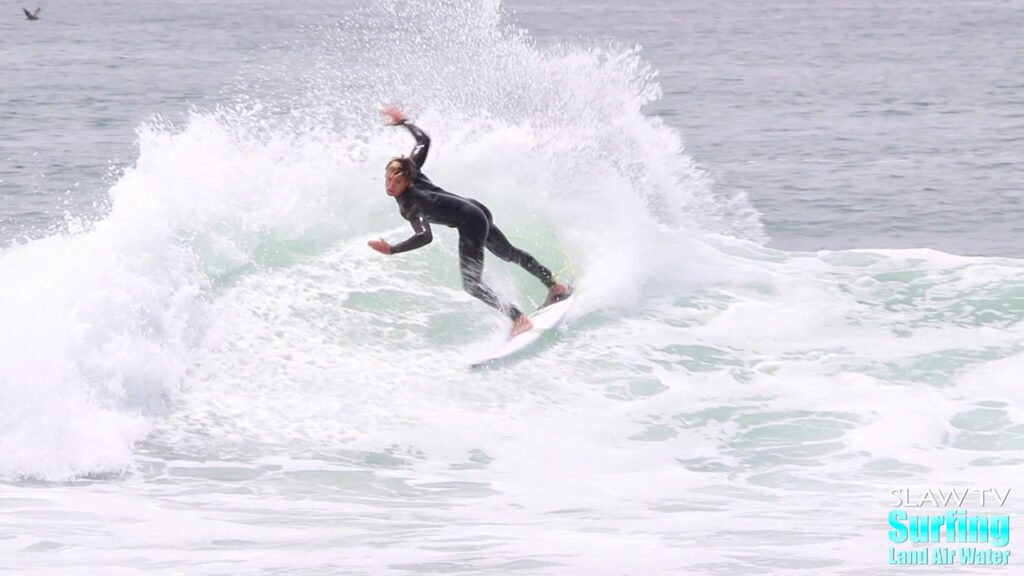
(98, 329)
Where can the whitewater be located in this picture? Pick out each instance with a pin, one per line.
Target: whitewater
(211, 373)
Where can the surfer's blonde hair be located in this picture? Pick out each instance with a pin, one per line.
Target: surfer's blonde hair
(402, 166)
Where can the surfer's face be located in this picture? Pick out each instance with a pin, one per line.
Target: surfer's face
(395, 184)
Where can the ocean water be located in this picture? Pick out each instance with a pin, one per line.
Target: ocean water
(794, 228)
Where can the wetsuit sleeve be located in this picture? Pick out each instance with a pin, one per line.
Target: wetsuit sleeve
(419, 151)
(420, 238)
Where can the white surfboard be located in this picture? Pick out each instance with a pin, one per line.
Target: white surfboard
(544, 319)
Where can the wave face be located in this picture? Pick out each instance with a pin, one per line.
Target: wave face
(110, 316)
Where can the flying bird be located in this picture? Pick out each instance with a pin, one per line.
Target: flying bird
(32, 15)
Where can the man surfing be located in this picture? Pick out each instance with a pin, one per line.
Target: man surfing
(423, 203)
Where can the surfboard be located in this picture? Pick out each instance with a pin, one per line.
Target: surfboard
(544, 320)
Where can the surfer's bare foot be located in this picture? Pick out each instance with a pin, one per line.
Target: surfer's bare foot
(521, 324)
(557, 293)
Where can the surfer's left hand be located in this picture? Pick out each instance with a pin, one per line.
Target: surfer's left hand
(380, 246)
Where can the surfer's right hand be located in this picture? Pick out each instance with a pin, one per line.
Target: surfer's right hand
(395, 114)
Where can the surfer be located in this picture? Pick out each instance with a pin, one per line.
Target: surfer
(421, 202)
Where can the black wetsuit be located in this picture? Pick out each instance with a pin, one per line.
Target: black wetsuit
(422, 204)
